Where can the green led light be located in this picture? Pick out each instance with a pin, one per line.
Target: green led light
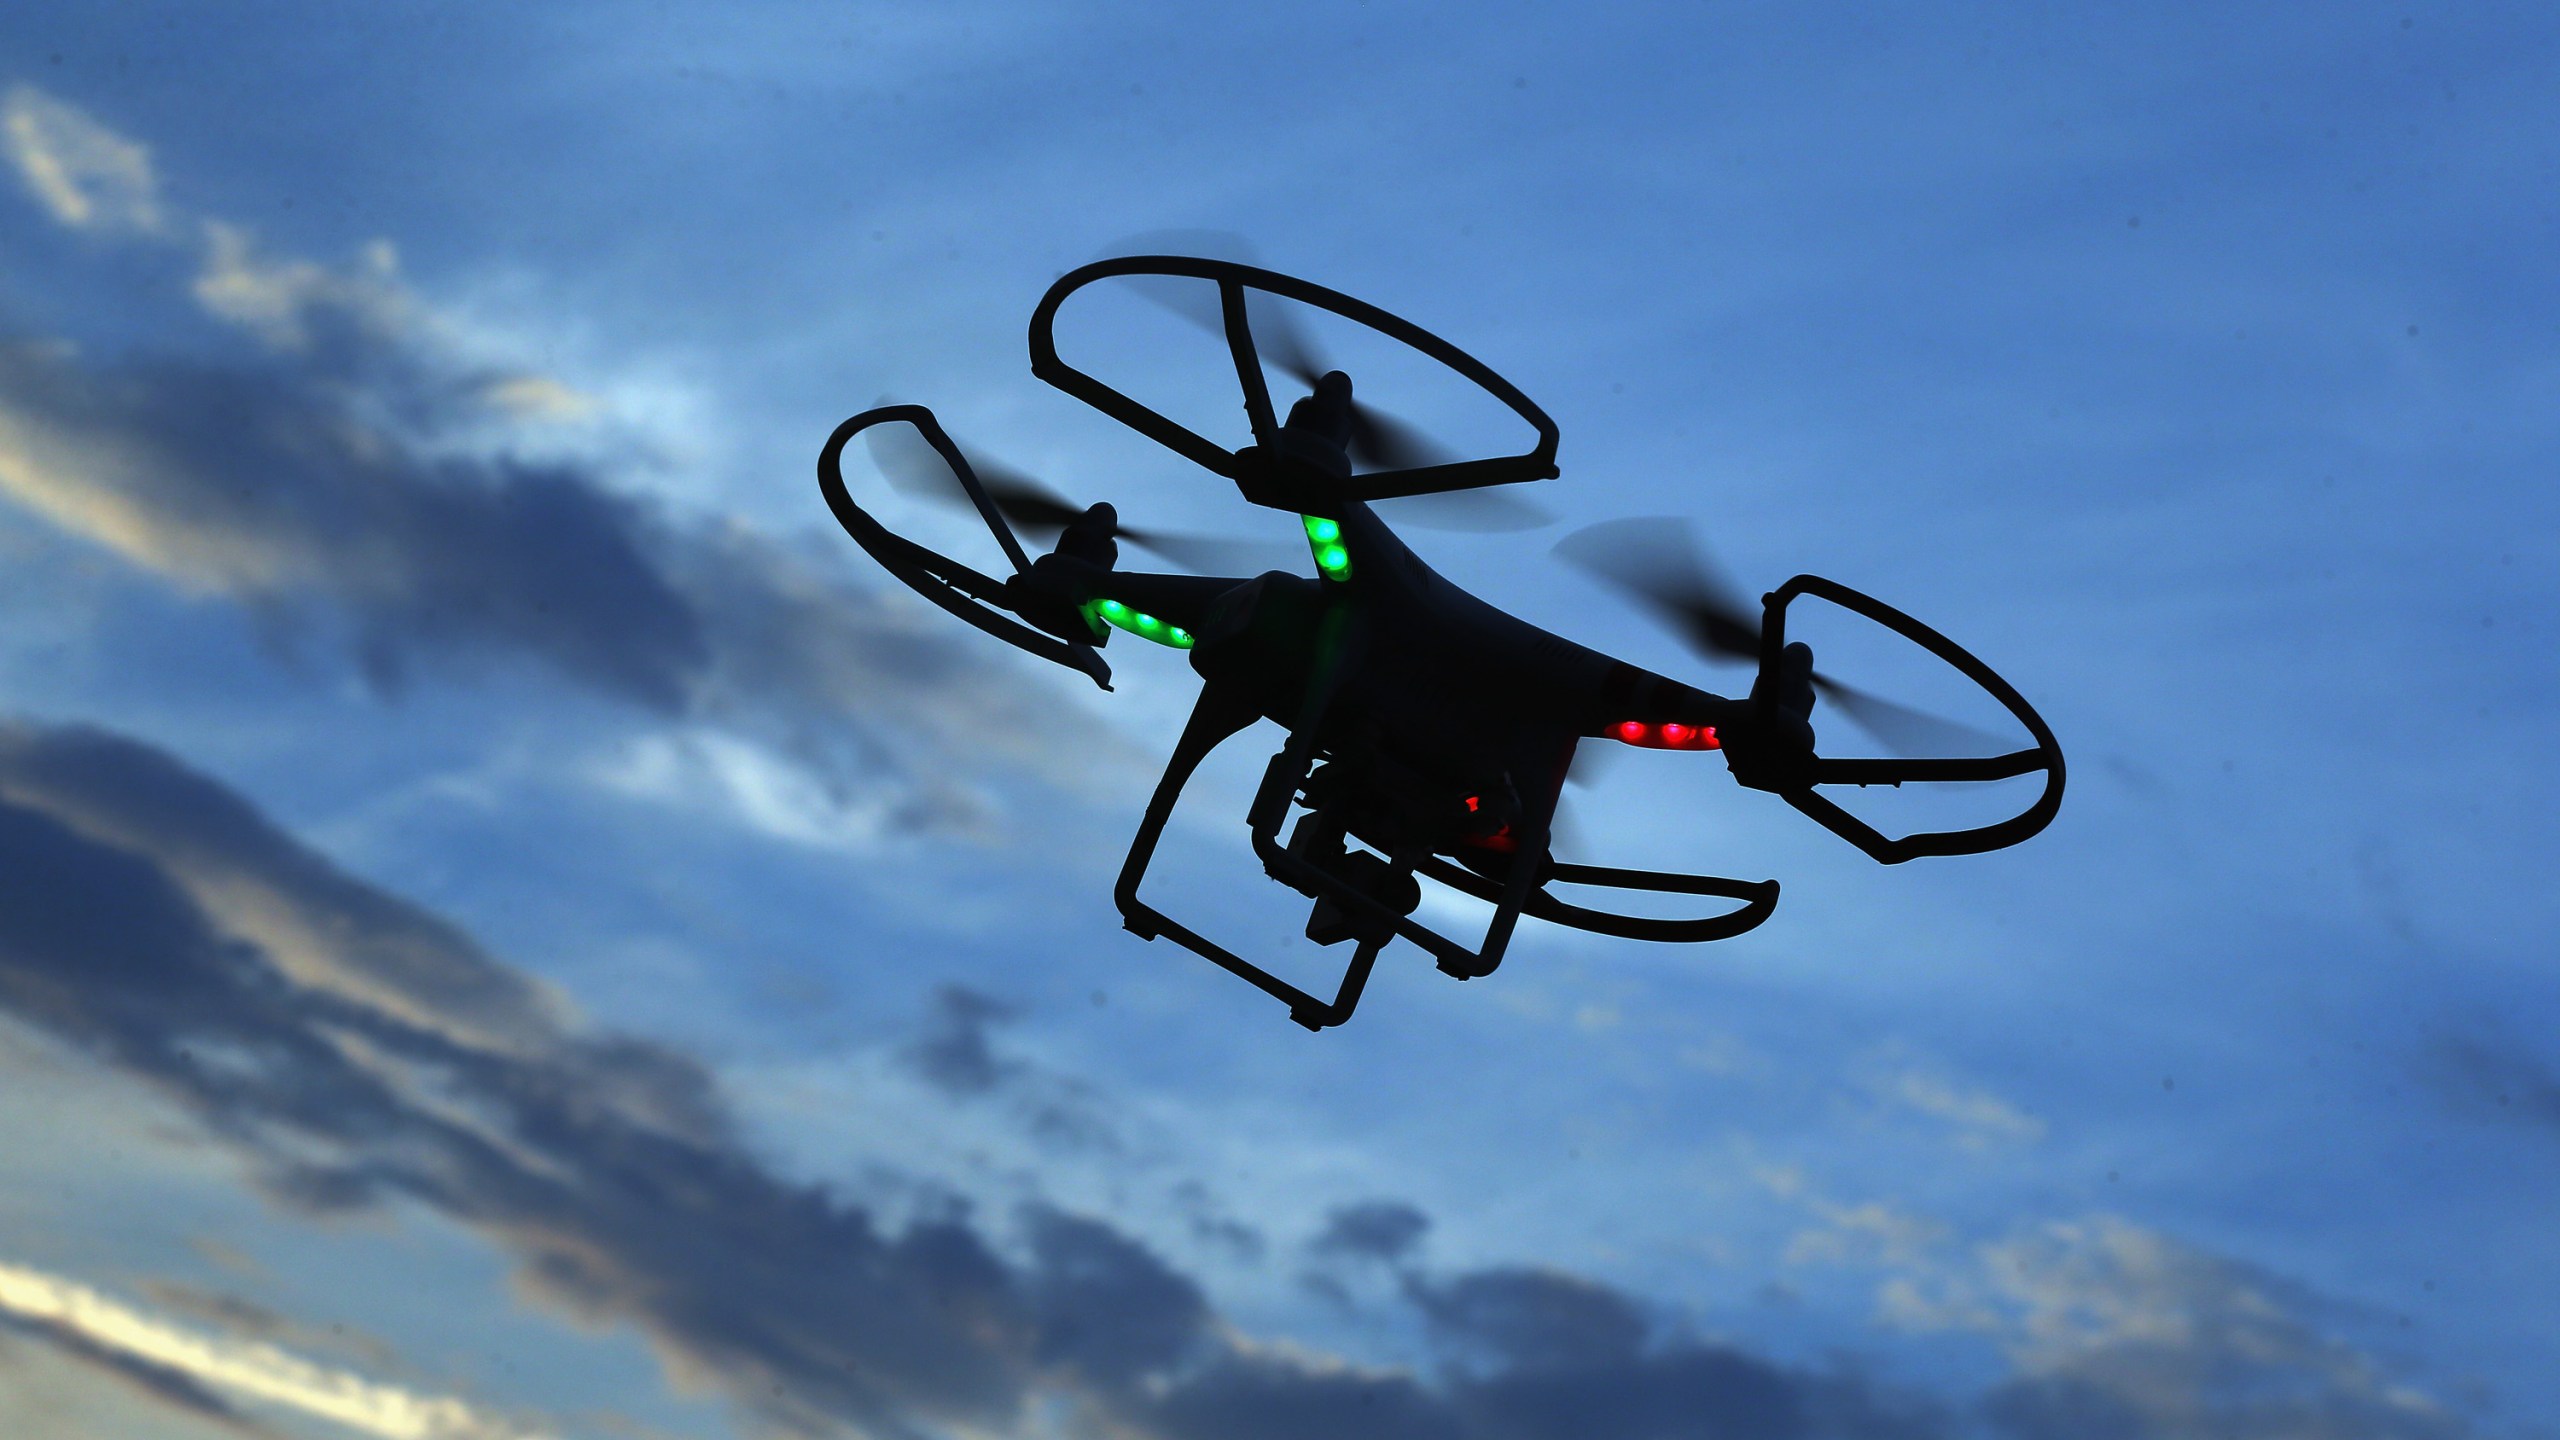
(1143, 625)
(1324, 537)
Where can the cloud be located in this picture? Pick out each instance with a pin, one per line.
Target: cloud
(1544, 1355)
(290, 304)
(86, 175)
(1533, 1319)
(1874, 1230)
(2118, 1330)
(1106, 1306)
(954, 1054)
(1978, 1116)
(1253, 1394)
(163, 1386)
(957, 1055)
(185, 1368)
(352, 1050)
(1387, 1230)
(401, 1061)
(353, 473)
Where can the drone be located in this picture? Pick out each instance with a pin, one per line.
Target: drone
(1429, 734)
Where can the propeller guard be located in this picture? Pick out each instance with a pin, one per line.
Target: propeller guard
(1759, 897)
(2045, 756)
(974, 597)
(1536, 463)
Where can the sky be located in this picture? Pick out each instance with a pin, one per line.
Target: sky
(511, 926)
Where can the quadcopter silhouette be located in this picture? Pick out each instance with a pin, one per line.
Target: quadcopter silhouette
(1429, 734)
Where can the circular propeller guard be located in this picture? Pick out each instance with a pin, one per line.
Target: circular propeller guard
(946, 582)
(2045, 755)
(1233, 280)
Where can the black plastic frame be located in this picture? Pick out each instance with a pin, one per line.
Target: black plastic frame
(946, 582)
(1536, 463)
(2045, 756)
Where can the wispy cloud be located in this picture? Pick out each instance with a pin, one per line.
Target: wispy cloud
(88, 176)
(2116, 1328)
(1979, 1117)
(164, 1351)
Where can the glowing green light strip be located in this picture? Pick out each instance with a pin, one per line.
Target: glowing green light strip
(1138, 623)
(1324, 539)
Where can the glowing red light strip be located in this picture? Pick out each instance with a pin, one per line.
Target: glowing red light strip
(1667, 736)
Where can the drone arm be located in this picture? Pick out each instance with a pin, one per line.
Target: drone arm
(1184, 600)
(1635, 706)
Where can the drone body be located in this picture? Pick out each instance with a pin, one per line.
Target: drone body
(1429, 732)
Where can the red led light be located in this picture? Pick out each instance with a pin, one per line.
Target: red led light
(1671, 735)
(1471, 804)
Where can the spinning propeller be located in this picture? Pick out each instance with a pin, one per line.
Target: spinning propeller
(1660, 564)
(1378, 440)
(911, 466)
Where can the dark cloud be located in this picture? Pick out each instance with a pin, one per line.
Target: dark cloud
(1532, 1319)
(1211, 1225)
(954, 1053)
(1388, 1230)
(342, 487)
(1542, 1354)
(957, 1054)
(1106, 1305)
(1247, 1396)
(352, 1050)
(265, 483)
(1688, 1390)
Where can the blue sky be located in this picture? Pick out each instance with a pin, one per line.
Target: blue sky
(512, 927)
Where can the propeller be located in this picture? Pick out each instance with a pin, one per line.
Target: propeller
(913, 467)
(1379, 440)
(1660, 565)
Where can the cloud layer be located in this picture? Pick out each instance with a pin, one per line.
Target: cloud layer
(352, 1049)
(348, 467)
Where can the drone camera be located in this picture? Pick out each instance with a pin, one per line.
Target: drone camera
(1381, 882)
